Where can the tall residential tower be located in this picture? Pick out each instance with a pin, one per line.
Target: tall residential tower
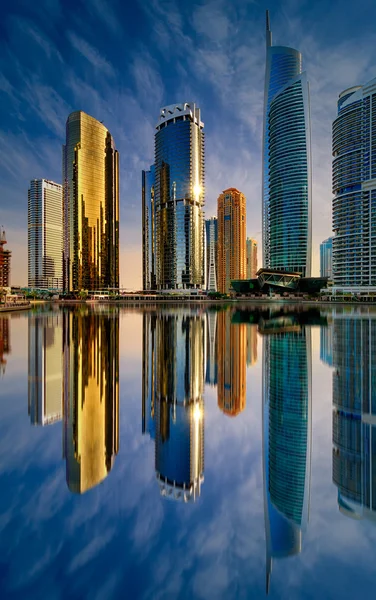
(5, 256)
(286, 212)
(211, 232)
(232, 259)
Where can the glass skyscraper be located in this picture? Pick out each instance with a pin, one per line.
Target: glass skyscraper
(286, 439)
(45, 235)
(354, 189)
(90, 205)
(211, 232)
(326, 258)
(286, 213)
(179, 197)
(148, 230)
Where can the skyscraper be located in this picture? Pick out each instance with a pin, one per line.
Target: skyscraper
(90, 205)
(286, 213)
(5, 256)
(354, 189)
(232, 358)
(251, 246)
(148, 230)
(286, 439)
(179, 197)
(90, 396)
(326, 258)
(211, 231)
(45, 368)
(45, 235)
(232, 260)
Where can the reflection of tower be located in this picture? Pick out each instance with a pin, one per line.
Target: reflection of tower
(251, 345)
(91, 397)
(211, 352)
(173, 386)
(4, 342)
(354, 414)
(326, 344)
(286, 441)
(232, 355)
(45, 368)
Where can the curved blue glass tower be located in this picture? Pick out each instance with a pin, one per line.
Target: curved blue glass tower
(286, 212)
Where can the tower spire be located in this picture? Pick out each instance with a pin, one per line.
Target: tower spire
(268, 31)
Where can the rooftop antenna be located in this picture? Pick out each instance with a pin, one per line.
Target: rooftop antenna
(268, 31)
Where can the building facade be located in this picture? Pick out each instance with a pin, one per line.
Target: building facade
(354, 190)
(326, 258)
(251, 246)
(90, 205)
(211, 232)
(45, 235)
(286, 212)
(232, 259)
(149, 281)
(179, 192)
(5, 258)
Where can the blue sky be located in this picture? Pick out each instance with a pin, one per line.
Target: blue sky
(121, 61)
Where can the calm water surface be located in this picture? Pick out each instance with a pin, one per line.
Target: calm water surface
(188, 453)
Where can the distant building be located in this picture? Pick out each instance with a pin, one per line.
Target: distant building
(326, 258)
(232, 260)
(354, 190)
(45, 368)
(179, 197)
(90, 205)
(251, 345)
(211, 377)
(5, 256)
(211, 231)
(251, 245)
(45, 235)
(149, 281)
(232, 357)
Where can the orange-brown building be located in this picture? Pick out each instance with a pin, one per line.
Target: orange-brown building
(232, 256)
(4, 261)
(232, 357)
(4, 342)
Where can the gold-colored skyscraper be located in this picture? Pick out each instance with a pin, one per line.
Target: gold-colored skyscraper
(91, 397)
(232, 260)
(90, 205)
(251, 246)
(232, 356)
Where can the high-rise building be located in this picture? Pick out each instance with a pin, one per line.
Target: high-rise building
(45, 368)
(326, 258)
(286, 213)
(287, 389)
(179, 197)
(232, 358)
(148, 230)
(90, 396)
(232, 260)
(354, 414)
(211, 231)
(354, 189)
(45, 235)
(90, 205)
(251, 246)
(4, 342)
(5, 256)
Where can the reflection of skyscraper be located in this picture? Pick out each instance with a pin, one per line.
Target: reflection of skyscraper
(45, 379)
(232, 356)
(326, 344)
(174, 357)
(4, 342)
(211, 348)
(286, 441)
(354, 414)
(251, 345)
(91, 397)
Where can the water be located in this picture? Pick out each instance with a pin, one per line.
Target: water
(187, 453)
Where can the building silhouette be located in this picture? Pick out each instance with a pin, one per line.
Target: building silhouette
(232, 259)
(211, 232)
(232, 358)
(4, 342)
(179, 192)
(45, 235)
(354, 189)
(326, 258)
(90, 205)
(286, 439)
(354, 413)
(149, 281)
(45, 368)
(5, 259)
(251, 248)
(286, 213)
(173, 403)
(90, 396)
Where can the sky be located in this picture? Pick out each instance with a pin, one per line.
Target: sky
(122, 61)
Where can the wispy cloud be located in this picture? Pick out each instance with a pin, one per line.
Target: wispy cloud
(91, 54)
